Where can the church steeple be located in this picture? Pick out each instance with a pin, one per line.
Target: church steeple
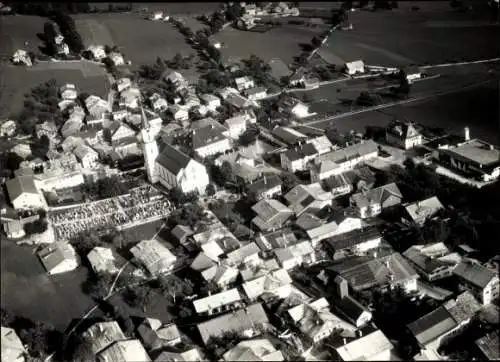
(149, 146)
(145, 123)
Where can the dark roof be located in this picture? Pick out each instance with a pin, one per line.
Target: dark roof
(411, 69)
(298, 153)
(432, 325)
(172, 159)
(19, 185)
(489, 345)
(350, 308)
(284, 135)
(353, 238)
(264, 184)
(205, 136)
(255, 90)
(402, 130)
(474, 273)
(360, 174)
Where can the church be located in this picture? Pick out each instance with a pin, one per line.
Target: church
(169, 166)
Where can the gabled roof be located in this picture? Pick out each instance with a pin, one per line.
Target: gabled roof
(218, 300)
(267, 283)
(432, 325)
(202, 262)
(127, 351)
(353, 238)
(350, 308)
(12, 347)
(365, 348)
(376, 196)
(259, 349)
(173, 159)
(264, 184)
(463, 307)
(20, 185)
(474, 273)
(298, 153)
(269, 208)
(349, 152)
(205, 136)
(489, 345)
(402, 130)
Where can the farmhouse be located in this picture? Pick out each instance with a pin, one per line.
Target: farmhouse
(371, 203)
(256, 93)
(210, 101)
(479, 280)
(22, 57)
(322, 144)
(254, 350)
(208, 141)
(341, 222)
(371, 347)
(178, 112)
(12, 347)
(154, 256)
(87, 156)
(68, 91)
(97, 51)
(431, 267)
(243, 83)
(403, 134)
(59, 258)
(23, 193)
(116, 58)
(298, 158)
(97, 106)
(104, 260)
(355, 67)
(7, 128)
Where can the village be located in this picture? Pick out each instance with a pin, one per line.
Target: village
(217, 220)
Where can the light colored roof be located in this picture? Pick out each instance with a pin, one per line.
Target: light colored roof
(235, 121)
(102, 335)
(239, 255)
(192, 355)
(477, 151)
(104, 259)
(168, 332)
(216, 300)
(83, 150)
(463, 307)
(11, 345)
(202, 262)
(355, 63)
(261, 269)
(474, 273)
(259, 349)
(349, 152)
(153, 255)
(124, 351)
(20, 185)
(424, 209)
(53, 255)
(365, 348)
(377, 195)
(240, 320)
(489, 345)
(268, 283)
(322, 230)
(269, 208)
(432, 325)
(321, 143)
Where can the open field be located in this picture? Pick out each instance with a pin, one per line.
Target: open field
(15, 81)
(403, 37)
(29, 292)
(15, 31)
(282, 43)
(476, 108)
(174, 8)
(155, 38)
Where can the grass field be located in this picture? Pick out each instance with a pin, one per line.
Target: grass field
(173, 8)
(29, 292)
(15, 31)
(15, 81)
(403, 37)
(140, 40)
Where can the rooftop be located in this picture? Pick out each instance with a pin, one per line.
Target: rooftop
(488, 345)
(216, 300)
(432, 325)
(474, 273)
(477, 151)
(353, 238)
(365, 348)
(172, 159)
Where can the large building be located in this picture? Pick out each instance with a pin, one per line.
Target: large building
(403, 134)
(24, 194)
(169, 166)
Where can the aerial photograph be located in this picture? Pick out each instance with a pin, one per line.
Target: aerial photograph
(250, 181)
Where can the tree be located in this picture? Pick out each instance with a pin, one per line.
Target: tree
(35, 227)
(173, 286)
(139, 296)
(366, 99)
(249, 136)
(226, 171)
(5, 318)
(41, 338)
(289, 181)
(210, 190)
(41, 146)
(13, 161)
(99, 286)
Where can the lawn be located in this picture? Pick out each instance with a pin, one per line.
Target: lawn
(29, 292)
(403, 37)
(174, 8)
(15, 31)
(142, 232)
(155, 38)
(15, 81)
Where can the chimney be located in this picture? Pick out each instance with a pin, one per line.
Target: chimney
(345, 341)
(467, 134)
(265, 180)
(342, 287)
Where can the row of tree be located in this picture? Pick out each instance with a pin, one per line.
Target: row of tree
(68, 30)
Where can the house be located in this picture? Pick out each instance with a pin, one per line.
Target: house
(275, 283)
(258, 349)
(411, 73)
(157, 15)
(236, 126)
(245, 321)
(238, 101)
(130, 98)
(97, 51)
(22, 57)
(322, 144)
(374, 346)
(116, 58)
(123, 83)
(344, 159)
(383, 272)
(372, 202)
(348, 307)
(223, 93)
(243, 83)
(477, 159)
(298, 109)
(315, 320)
(177, 80)
(479, 280)
(295, 255)
(271, 214)
(338, 184)
(68, 92)
(100, 336)
(487, 345)
(181, 233)
(154, 256)
(257, 270)
(431, 268)
(158, 103)
(7, 128)
(354, 242)
(308, 198)
(191, 355)
(297, 158)
(59, 258)
(104, 260)
(289, 136)
(87, 156)
(297, 78)
(155, 336)
(127, 351)
(120, 131)
(12, 347)
(355, 67)
(219, 302)
(178, 112)
(210, 101)
(266, 187)
(221, 276)
(97, 106)
(23, 193)
(420, 211)
(77, 114)
(120, 115)
(256, 93)
(339, 223)
(208, 141)
(65, 104)
(14, 229)
(403, 135)
(246, 255)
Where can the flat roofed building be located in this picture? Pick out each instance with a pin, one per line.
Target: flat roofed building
(217, 302)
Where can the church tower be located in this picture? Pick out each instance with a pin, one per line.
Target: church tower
(149, 148)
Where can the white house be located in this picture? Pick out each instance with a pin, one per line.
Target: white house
(403, 134)
(482, 282)
(236, 126)
(12, 347)
(158, 103)
(374, 346)
(8, 128)
(208, 141)
(130, 350)
(177, 80)
(355, 67)
(116, 58)
(97, 106)
(178, 112)
(104, 260)
(256, 93)
(412, 73)
(123, 83)
(372, 202)
(130, 97)
(210, 101)
(14, 229)
(68, 91)
(97, 51)
(243, 83)
(23, 193)
(275, 283)
(219, 302)
(154, 256)
(22, 57)
(59, 258)
(87, 156)
(158, 15)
